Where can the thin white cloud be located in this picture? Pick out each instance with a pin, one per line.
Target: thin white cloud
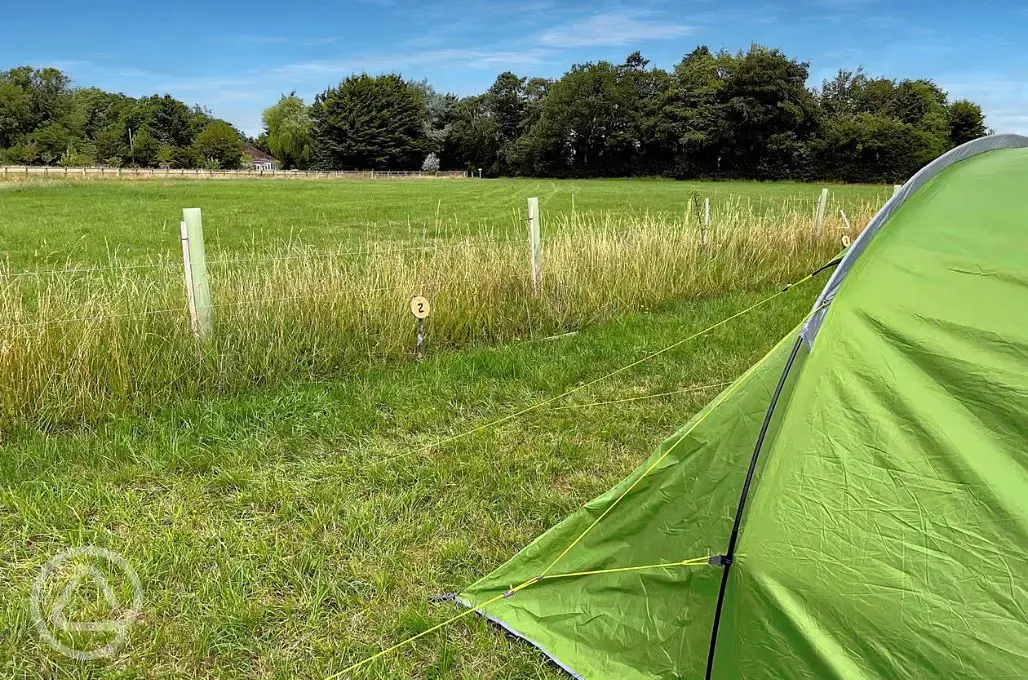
(257, 39)
(1002, 96)
(464, 57)
(613, 29)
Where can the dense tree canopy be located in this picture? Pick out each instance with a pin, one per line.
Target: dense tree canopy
(743, 115)
(715, 114)
(43, 120)
(370, 123)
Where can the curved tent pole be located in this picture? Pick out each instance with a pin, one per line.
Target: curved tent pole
(726, 560)
(922, 177)
(813, 325)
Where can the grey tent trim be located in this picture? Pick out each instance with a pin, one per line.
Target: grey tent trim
(521, 636)
(926, 174)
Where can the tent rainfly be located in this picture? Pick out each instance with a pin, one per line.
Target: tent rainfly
(862, 491)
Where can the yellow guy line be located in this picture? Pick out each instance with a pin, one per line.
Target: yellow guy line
(688, 390)
(670, 450)
(653, 466)
(649, 357)
(422, 634)
(545, 576)
(694, 562)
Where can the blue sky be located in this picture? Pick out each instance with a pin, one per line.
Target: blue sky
(237, 57)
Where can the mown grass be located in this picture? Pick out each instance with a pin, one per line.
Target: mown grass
(51, 224)
(290, 531)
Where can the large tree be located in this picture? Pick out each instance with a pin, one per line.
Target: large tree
(767, 115)
(966, 122)
(219, 145)
(594, 120)
(869, 147)
(689, 124)
(883, 130)
(287, 126)
(370, 122)
(473, 141)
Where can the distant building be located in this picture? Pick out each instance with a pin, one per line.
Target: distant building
(259, 160)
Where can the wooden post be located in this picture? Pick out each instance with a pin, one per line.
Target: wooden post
(197, 267)
(819, 215)
(535, 244)
(705, 233)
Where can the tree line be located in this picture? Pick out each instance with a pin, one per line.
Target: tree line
(744, 115)
(45, 121)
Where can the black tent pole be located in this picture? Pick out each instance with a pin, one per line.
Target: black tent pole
(726, 559)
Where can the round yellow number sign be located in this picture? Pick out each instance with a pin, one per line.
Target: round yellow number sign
(419, 307)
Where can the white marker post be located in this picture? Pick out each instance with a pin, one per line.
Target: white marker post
(535, 245)
(190, 299)
(196, 265)
(819, 215)
(705, 233)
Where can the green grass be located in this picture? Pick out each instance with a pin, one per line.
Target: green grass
(290, 531)
(53, 223)
(277, 490)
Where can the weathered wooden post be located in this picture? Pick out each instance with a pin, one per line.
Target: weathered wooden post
(195, 264)
(535, 244)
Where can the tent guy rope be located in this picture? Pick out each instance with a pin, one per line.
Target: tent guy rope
(545, 575)
(617, 371)
(693, 562)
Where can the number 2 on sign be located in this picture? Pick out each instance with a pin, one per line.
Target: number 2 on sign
(420, 307)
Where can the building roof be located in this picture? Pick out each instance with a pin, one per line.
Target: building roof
(259, 156)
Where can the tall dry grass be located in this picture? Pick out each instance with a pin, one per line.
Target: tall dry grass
(76, 347)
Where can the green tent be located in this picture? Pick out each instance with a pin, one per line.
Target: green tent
(862, 490)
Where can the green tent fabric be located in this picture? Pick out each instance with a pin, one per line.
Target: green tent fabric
(885, 530)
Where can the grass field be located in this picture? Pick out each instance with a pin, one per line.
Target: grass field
(52, 224)
(289, 524)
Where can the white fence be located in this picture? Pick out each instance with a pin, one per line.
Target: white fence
(36, 171)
